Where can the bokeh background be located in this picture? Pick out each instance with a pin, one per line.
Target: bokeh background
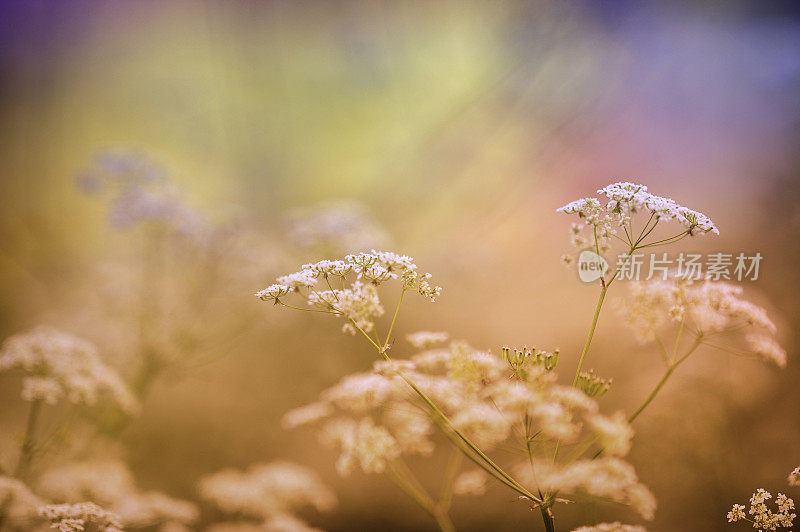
(447, 130)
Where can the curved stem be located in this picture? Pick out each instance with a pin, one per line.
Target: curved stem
(438, 412)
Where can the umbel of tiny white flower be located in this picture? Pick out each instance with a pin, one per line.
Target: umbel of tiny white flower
(794, 477)
(75, 517)
(706, 308)
(110, 483)
(611, 527)
(270, 493)
(56, 365)
(369, 418)
(763, 517)
(602, 220)
(349, 287)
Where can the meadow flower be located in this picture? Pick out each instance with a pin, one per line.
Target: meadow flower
(426, 339)
(152, 507)
(606, 477)
(287, 523)
(761, 516)
(361, 443)
(794, 477)
(335, 227)
(602, 220)
(611, 527)
(266, 490)
(359, 303)
(111, 484)
(143, 195)
(75, 517)
(470, 483)
(55, 365)
(103, 481)
(708, 308)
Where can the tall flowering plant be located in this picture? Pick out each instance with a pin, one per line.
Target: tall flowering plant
(569, 449)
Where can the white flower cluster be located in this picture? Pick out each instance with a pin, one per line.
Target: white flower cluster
(794, 477)
(470, 483)
(372, 419)
(607, 477)
(707, 306)
(75, 517)
(611, 527)
(335, 227)
(111, 484)
(359, 303)
(427, 339)
(270, 493)
(601, 219)
(143, 195)
(761, 516)
(59, 365)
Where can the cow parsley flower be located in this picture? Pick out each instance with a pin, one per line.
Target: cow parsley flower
(266, 490)
(761, 516)
(335, 227)
(794, 477)
(75, 517)
(111, 484)
(426, 339)
(601, 220)
(707, 308)
(55, 365)
(611, 527)
(607, 477)
(349, 287)
(470, 483)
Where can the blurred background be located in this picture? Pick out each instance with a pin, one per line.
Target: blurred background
(282, 132)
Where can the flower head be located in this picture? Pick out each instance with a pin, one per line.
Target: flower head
(349, 287)
(56, 365)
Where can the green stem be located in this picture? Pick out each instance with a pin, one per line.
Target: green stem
(26, 450)
(549, 520)
(438, 412)
(406, 481)
(588, 343)
(394, 318)
(663, 381)
(454, 464)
